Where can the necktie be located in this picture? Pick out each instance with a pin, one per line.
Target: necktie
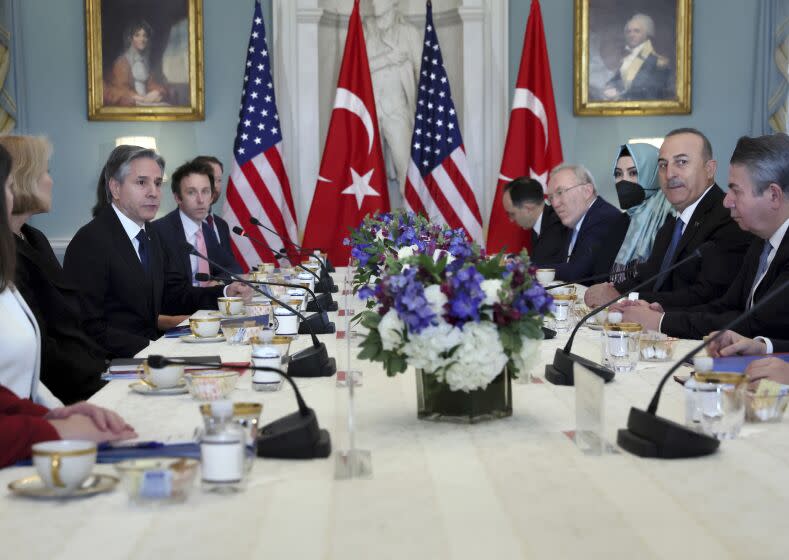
(209, 231)
(668, 258)
(142, 239)
(202, 264)
(761, 270)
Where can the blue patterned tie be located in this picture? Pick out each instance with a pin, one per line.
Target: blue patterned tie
(668, 258)
(142, 239)
(761, 270)
(209, 234)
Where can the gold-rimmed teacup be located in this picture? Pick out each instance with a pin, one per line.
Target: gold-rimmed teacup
(230, 305)
(204, 327)
(64, 464)
(165, 377)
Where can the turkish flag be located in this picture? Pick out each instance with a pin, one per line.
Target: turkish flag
(533, 146)
(352, 180)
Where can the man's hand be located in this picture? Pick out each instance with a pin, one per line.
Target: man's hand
(86, 421)
(240, 290)
(768, 368)
(731, 343)
(166, 322)
(642, 314)
(103, 418)
(599, 294)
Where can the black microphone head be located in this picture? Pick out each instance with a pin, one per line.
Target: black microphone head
(189, 249)
(254, 221)
(238, 230)
(704, 247)
(156, 361)
(203, 277)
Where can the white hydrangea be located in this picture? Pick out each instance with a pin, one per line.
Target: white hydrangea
(438, 253)
(525, 358)
(424, 350)
(436, 298)
(491, 289)
(391, 328)
(407, 251)
(479, 359)
(379, 235)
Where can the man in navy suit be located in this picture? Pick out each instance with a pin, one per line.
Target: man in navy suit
(219, 243)
(596, 228)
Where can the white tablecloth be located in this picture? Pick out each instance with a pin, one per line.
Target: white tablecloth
(513, 488)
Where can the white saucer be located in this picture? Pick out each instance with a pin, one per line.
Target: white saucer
(594, 326)
(192, 339)
(143, 389)
(34, 487)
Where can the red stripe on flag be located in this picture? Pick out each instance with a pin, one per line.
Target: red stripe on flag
(275, 161)
(273, 213)
(242, 213)
(462, 186)
(413, 199)
(441, 202)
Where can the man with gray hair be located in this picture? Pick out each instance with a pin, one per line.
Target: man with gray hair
(643, 73)
(125, 276)
(596, 228)
(758, 199)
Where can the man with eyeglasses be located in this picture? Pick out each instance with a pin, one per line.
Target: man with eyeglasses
(596, 228)
(686, 171)
(523, 201)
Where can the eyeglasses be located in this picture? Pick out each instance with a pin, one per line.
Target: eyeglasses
(561, 191)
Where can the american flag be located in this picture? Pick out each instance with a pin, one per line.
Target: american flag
(438, 182)
(258, 185)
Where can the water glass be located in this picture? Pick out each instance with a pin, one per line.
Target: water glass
(563, 312)
(722, 408)
(620, 346)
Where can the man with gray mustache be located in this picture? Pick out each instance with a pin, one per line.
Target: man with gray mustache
(686, 170)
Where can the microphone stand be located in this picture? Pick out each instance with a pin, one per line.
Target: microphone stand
(324, 266)
(313, 361)
(560, 372)
(295, 436)
(353, 462)
(320, 286)
(649, 435)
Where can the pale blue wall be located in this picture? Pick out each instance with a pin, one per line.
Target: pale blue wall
(55, 73)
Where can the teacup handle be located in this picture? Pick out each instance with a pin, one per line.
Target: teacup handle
(227, 307)
(54, 469)
(141, 375)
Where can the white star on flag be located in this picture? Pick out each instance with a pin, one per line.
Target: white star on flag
(360, 186)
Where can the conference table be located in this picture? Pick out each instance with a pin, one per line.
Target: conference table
(517, 487)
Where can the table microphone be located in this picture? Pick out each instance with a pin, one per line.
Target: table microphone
(320, 283)
(319, 321)
(324, 266)
(649, 435)
(295, 436)
(560, 372)
(310, 362)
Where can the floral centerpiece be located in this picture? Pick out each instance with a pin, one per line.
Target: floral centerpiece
(400, 233)
(466, 324)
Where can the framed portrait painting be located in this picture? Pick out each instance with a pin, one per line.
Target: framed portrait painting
(632, 57)
(145, 60)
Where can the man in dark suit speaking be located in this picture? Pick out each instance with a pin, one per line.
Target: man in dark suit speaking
(686, 170)
(596, 227)
(125, 276)
(758, 200)
(524, 203)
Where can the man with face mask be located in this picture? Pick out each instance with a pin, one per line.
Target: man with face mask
(686, 171)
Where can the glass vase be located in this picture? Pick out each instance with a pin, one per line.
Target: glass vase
(436, 402)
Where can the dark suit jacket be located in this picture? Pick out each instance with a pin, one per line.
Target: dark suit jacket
(700, 280)
(120, 300)
(223, 254)
(548, 246)
(71, 361)
(651, 81)
(597, 244)
(780, 345)
(772, 321)
(171, 232)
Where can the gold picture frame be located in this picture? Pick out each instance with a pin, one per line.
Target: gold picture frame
(145, 60)
(618, 72)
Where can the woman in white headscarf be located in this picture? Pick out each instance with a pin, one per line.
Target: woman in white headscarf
(131, 82)
(636, 178)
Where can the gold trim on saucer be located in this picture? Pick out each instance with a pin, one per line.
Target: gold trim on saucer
(34, 487)
(723, 377)
(623, 327)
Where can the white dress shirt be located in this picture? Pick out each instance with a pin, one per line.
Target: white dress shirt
(775, 240)
(687, 213)
(130, 228)
(577, 228)
(538, 224)
(190, 231)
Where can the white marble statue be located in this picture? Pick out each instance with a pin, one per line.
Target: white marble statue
(394, 48)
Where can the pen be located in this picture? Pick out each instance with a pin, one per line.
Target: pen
(136, 445)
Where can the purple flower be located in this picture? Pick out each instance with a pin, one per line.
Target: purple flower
(410, 302)
(360, 254)
(366, 292)
(465, 295)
